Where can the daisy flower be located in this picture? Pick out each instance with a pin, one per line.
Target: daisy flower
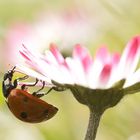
(99, 82)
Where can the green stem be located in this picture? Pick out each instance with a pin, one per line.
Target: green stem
(94, 120)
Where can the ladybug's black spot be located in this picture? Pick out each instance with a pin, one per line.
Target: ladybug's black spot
(25, 99)
(23, 115)
(46, 112)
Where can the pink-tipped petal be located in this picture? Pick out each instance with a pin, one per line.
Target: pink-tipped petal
(80, 52)
(102, 58)
(133, 47)
(24, 56)
(105, 76)
(36, 62)
(115, 59)
(87, 63)
(129, 59)
(103, 55)
(114, 74)
(56, 53)
(83, 55)
(50, 58)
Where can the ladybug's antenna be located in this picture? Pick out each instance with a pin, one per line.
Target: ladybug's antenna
(13, 68)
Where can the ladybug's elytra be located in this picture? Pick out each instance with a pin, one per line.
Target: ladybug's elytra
(25, 106)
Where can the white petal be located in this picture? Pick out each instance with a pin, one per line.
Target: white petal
(66, 75)
(133, 78)
(77, 71)
(129, 59)
(60, 75)
(50, 57)
(94, 73)
(32, 73)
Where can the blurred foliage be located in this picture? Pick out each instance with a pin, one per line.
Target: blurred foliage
(12, 11)
(118, 21)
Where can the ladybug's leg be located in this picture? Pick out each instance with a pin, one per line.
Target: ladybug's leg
(53, 88)
(23, 87)
(36, 92)
(15, 83)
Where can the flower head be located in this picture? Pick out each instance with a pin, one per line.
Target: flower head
(81, 71)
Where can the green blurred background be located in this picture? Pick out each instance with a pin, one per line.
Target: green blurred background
(105, 22)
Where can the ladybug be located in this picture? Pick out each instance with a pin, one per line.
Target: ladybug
(25, 106)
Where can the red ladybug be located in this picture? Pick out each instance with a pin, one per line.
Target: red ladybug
(26, 107)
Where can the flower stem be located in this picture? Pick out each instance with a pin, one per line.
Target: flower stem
(94, 120)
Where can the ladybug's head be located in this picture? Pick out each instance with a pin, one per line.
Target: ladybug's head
(8, 75)
(7, 82)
